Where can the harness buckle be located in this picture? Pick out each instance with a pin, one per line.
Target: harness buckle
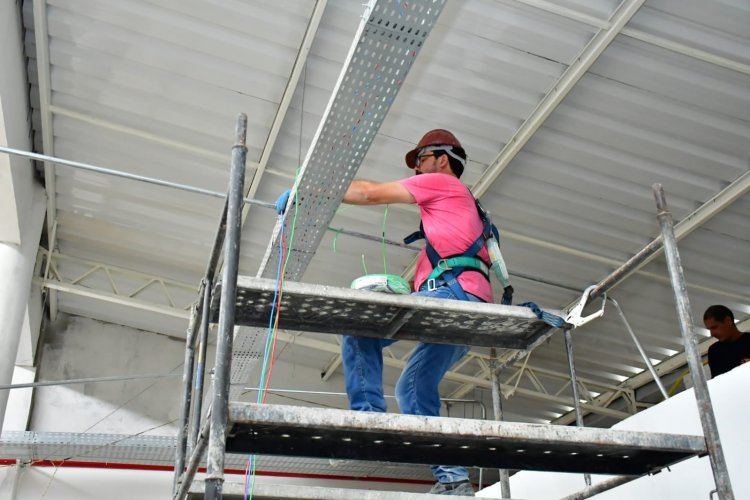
(431, 285)
(443, 265)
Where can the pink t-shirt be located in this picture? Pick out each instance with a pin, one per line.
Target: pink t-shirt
(451, 223)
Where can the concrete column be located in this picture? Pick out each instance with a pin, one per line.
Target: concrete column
(22, 199)
(17, 267)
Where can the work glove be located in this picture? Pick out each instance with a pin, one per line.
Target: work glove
(282, 201)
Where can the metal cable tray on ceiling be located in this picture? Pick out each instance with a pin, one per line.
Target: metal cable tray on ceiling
(328, 309)
(232, 491)
(331, 433)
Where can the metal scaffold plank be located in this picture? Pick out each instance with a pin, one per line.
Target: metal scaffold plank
(328, 309)
(331, 433)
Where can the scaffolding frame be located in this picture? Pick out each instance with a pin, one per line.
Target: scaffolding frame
(211, 437)
(194, 438)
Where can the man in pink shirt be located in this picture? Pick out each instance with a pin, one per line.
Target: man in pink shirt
(452, 226)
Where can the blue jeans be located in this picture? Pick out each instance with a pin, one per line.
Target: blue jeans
(417, 388)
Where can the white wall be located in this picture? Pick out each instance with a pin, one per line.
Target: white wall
(691, 479)
(76, 347)
(38, 483)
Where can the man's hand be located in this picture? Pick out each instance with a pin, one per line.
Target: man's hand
(282, 201)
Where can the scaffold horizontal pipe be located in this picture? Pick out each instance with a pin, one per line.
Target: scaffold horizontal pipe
(125, 175)
(184, 187)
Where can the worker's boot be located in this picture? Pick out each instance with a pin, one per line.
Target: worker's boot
(458, 488)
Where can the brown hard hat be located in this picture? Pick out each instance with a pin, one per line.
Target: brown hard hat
(437, 137)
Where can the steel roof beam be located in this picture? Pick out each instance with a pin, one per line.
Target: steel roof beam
(113, 298)
(134, 132)
(555, 96)
(552, 99)
(699, 216)
(642, 36)
(41, 41)
(691, 222)
(286, 99)
(556, 247)
(119, 280)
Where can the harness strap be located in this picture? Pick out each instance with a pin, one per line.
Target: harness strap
(448, 272)
(549, 318)
(448, 269)
(416, 235)
(462, 262)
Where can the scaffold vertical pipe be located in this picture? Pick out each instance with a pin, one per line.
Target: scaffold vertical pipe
(574, 387)
(700, 387)
(187, 385)
(222, 367)
(497, 411)
(194, 462)
(200, 369)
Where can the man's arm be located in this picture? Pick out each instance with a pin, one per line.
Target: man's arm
(377, 193)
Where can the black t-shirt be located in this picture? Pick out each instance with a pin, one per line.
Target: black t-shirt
(723, 356)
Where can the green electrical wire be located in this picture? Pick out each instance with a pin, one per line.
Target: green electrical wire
(335, 238)
(382, 241)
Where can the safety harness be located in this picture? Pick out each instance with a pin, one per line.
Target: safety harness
(445, 270)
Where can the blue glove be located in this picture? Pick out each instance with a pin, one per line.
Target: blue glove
(282, 201)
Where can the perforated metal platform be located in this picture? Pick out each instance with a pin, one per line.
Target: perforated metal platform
(233, 491)
(320, 432)
(328, 309)
(71, 447)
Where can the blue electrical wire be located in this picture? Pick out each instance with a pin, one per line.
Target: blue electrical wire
(269, 337)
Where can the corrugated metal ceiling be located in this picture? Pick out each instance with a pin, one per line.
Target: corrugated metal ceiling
(152, 88)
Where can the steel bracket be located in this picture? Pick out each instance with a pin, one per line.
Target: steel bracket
(574, 316)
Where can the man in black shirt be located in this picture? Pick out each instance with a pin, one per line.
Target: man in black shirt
(733, 346)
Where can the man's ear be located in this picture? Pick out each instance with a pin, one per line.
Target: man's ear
(444, 163)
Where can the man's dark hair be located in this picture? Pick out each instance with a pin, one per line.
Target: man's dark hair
(456, 166)
(718, 313)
